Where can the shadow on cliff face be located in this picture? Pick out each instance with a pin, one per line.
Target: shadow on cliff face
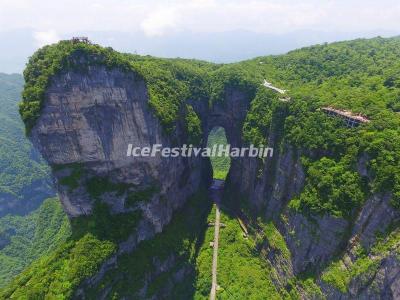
(225, 118)
(166, 266)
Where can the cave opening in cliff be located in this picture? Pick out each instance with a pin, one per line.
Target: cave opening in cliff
(220, 164)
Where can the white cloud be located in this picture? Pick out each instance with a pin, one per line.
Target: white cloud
(160, 22)
(45, 37)
(158, 17)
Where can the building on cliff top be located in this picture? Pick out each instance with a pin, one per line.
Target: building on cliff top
(81, 39)
(352, 120)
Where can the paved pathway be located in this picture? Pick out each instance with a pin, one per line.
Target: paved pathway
(216, 191)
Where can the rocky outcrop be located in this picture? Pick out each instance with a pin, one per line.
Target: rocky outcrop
(86, 124)
(374, 219)
(381, 279)
(382, 284)
(313, 242)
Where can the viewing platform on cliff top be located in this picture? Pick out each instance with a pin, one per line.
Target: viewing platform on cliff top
(351, 119)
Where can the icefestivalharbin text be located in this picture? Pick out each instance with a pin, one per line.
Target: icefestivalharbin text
(189, 151)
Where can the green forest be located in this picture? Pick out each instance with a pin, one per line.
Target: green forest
(24, 239)
(29, 226)
(22, 170)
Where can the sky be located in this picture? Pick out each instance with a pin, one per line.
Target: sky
(48, 20)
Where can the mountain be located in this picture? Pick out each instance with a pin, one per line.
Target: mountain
(24, 176)
(319, 219)
(219, 47)
(29, 226)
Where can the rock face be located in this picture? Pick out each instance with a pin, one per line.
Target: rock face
(383, 284)
(374, 219)
(381, 280)
(84, 130)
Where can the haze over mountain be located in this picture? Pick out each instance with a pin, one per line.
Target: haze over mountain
(220, 47)
(215, 30)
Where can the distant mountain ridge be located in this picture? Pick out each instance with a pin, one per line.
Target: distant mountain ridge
(220, 47)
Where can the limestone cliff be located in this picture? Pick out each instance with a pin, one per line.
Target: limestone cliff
(84, 130)
(88, 117)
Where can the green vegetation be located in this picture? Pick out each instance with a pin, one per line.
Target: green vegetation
(242, 272)
(306, 286)
(221, 164)
(97, 186)
(24, 177)
(27, 238)
(258, 121)
(193, 126)
(57, 275)
(74, 251)
(203, 266)
(275, 238)
(233, 76)
(101, 222)
(104, 225)
(144, 194)
(383, 149)
(358, 75)
(331, 188)
(72, 180)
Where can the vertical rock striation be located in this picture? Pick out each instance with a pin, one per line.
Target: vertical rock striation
(87, 121)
